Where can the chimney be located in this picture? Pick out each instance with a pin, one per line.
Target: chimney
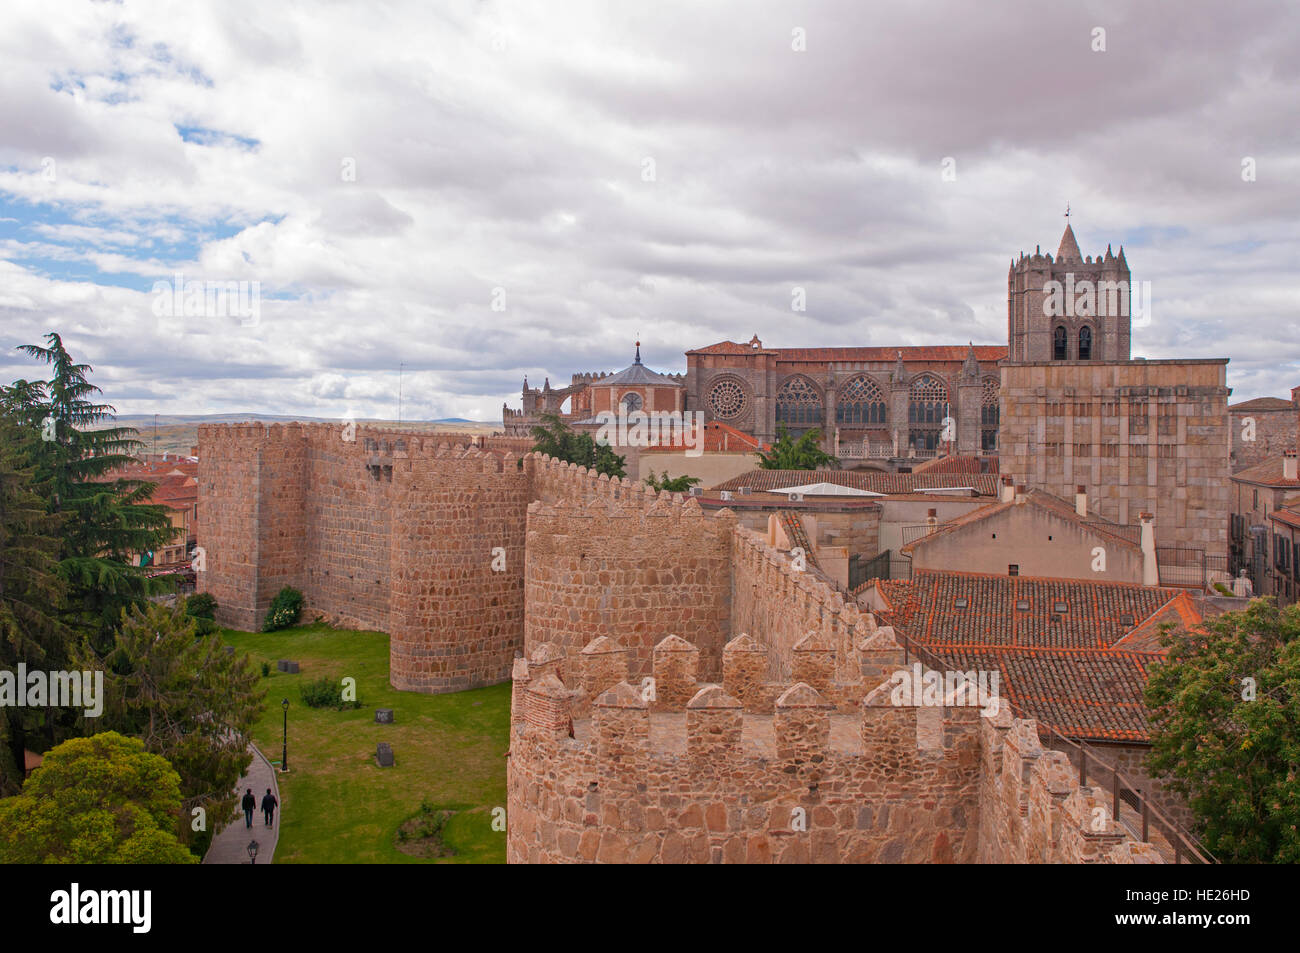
(1150, 568)
(1008, 490)
(1289, 465)
(932, 518)
(1081, 500)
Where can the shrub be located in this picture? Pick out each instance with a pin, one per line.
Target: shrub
(325, 692)
(202, 608)
(285, 609)
(266, 669)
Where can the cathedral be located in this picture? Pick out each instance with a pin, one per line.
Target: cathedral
(1063, 407)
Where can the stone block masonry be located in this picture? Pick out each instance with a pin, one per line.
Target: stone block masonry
(624, 562)
(642, 780)
(389, 531)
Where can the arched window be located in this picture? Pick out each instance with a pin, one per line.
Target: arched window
(1059, 339)
(631, 401)
(1085, 343)
(799, 404)
(860, 402)
(989, 413)
(926, 408)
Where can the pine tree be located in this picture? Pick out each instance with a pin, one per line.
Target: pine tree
(105, 519)
(31, 595)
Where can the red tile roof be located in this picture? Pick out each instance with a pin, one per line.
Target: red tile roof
(958, 464)
(1268, 473)
(718, 438)
(1262, 403)
(1288, 517)
(1081, 671)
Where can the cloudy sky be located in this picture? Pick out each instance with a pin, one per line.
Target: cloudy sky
(481, 191)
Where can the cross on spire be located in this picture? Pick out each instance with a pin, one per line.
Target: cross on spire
(1067, 209)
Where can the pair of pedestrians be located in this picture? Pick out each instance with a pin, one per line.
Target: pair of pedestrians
(269, 804)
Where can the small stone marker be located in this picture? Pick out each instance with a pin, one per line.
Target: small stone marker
(383, 716)
(385, 754)
(285, 665)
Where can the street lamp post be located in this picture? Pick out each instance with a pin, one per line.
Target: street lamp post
(284, 753)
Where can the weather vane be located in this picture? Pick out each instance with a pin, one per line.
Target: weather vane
(1067, 209)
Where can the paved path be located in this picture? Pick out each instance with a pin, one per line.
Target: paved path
(231, 845)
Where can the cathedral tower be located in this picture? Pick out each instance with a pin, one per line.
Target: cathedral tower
(1069, 308)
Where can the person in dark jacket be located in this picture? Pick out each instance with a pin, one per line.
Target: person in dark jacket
(268, 807)
(249, 805)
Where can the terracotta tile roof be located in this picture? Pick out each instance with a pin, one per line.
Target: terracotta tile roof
(1263, 403)
(1288, 516)
(939, 353)
(794, 529)
(1081, 671)
(876, 481)
(1083, 695)
(1268, 473)
(718, 438)
(958, 464)
(176, 481)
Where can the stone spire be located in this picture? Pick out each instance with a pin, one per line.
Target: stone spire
(1069, 250)
(971, 368)
(900, 372)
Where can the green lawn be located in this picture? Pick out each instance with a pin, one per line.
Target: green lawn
(339, 805)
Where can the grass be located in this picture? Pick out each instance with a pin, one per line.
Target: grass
(340, 807)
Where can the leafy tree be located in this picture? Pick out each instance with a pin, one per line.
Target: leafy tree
(31, 594)
(1225, 709)
(107, 519)
(788, 453)
(97, 800)
(681, 484)
(188, 700)
(554, 437)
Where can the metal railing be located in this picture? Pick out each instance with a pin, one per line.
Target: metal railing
(1182, 843)
(914, 531)
(860, 570)
(1190, 568)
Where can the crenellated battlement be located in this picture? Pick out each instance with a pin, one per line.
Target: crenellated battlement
(670, 769)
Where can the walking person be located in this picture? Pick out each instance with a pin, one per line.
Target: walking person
(249, 805)
(268, 807)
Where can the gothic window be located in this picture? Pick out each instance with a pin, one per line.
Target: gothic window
(927, 406)
(860, 402)
(1059, 338)
(1085, 343)
(989, 413)
(631, 402)
(798, 404)
(727, 399)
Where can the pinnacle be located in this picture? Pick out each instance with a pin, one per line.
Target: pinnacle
(1069, 249)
